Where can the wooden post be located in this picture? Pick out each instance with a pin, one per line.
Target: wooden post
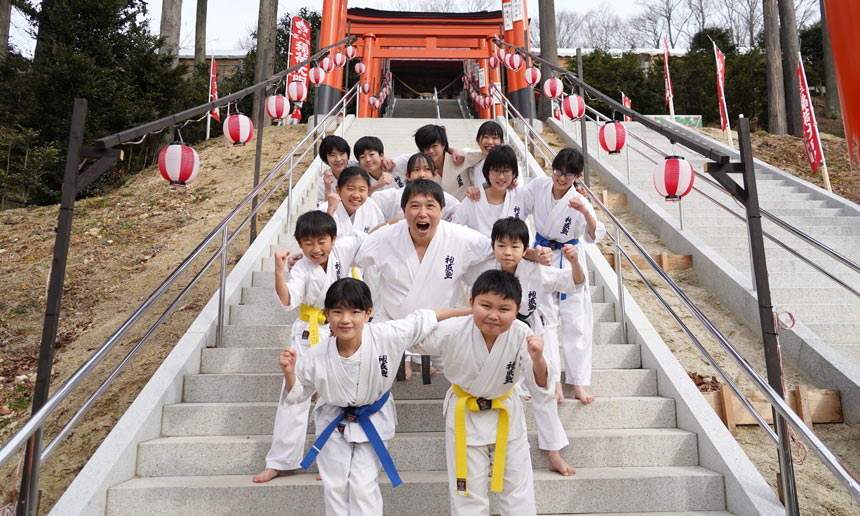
(826, 176)
(5, 22)
(803, 407)
(171, 12)
(200, 33)
(728, 410)
(775, 86)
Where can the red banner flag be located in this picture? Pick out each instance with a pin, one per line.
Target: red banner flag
(213, 89)
(300, 49)
(811, 139)
(626, 101)
(721, 92)
(668, 79)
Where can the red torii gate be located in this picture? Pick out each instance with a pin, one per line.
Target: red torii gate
(384, 35)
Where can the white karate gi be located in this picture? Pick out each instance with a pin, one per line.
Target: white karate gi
(557, 221)
(389, 203)
(481, 215)
(397, 175)
(476, 173)
(454, 179)
(348, 463)
(487, 374)
(307, 284)
(364, 219)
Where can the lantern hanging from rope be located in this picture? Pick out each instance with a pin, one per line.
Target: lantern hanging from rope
(494, 62)
(297, 114)
(553, 88)
(374, 102)
(316, 75)
(500, 54)
(673, 178)
(276, 107)
(365, 88)
(488, 102)
(573, 107)
(612, 135)
(327, 64)
(514, 62)
(238, 129)
(297, 91)
(532, 76)
(339, 60)
(360, 68)
(178, 163)
(350, 52)
(556, 113)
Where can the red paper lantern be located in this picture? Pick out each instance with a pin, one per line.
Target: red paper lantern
(238, 129)
(514, 62)
(297, 114)
(553, 88)
(532, 76)
(573, 107)
(327, 64)
(360, 68)
(374, 102)
(488, 102)
(316, 75)
(339, 60)
(494, 62)
(673, 178)
(297, 91)
(365, 88)
(276, 107)
(178, 163)
(350, 52)
(556, 113)
(612, 137)
(500, 54)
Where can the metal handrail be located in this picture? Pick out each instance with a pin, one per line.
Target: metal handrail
(38, 419)
(436, 99)
(777, 402)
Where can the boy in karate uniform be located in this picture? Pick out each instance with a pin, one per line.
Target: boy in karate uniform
(563, 216)
(325, 260)
(350, 206)
(490, 135)
(354, 415)
(334, 152)
(496, 199)
(485, 354)
(371, 157)
(419, 166)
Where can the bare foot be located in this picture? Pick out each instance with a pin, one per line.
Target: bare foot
(556, 463)
(559, 393)
(582, 395)
(432, 370)
(266, 475)
(408, 370)
(319, 477)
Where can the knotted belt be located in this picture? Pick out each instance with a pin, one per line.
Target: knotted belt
(362, 416)
(314, 317)
(543, 241)
(466, 401)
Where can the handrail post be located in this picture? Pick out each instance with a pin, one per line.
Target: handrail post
(627, 154)
(261, 123)
(583, 123)
(290, 196)
(618, 273)
(681, 213)
(765, 308)
(219, 335)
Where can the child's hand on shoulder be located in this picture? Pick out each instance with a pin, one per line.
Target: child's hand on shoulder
(535, 346)
(474, 193)
(387, 164)
(287, 361)
(281, 260)
(457, 156)
(570, 252)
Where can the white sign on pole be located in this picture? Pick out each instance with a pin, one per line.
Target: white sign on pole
(497, 88)
(482, 79)
(517, 9)
(508, 16)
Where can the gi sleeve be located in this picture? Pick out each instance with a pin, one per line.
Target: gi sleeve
(347, 247)
(296, 283)
(464, 213)
(554, 279)
(304, 387)
(545, 394)
(401, 334)
(599, 230)
(452, 206)
(369, 247)
(475, 270)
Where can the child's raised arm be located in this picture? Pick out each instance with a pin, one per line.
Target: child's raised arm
(535, 347)
(578, 205)
(280, 283)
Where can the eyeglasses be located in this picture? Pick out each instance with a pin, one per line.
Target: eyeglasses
(504, 173)
(566, 175)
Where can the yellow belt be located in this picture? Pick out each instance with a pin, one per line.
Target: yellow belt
(355, 273)
(467, 401)
(314, 317)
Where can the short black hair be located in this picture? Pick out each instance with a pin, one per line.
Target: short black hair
(350, 173)
(315, 224)
(425, 187)
(500, 157)
(366, 143)
(510, 227)
(499, 282)
(348, 293)
(413, 160)
(429, 134)
(330, 143)
(491, 128)
(568, 161)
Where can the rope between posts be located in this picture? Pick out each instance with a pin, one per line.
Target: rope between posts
(425, 95)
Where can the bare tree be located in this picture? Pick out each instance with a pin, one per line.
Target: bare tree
(807, 12)
(5, 23)
(730, 17)
(266, 30)
(831, 106)
(699, 10)
(171, 13)
(790, 49)
(645, 30)
(567, 25)
(751, 19)
(600, 28)
(672, 15)
(446, 6)
(200, 32)
(775, 87)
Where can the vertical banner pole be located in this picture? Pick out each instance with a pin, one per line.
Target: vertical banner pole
(583, 123)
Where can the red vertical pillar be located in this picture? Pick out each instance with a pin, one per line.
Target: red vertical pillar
(495, 79)
(518, 90)
(370, 75)
(842, 16)
(483, 65)
(339, 35)
(330, 91)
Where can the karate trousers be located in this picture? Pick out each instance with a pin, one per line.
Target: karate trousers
(551, 433)
(575, 317)
(350, 476)
(517, 497)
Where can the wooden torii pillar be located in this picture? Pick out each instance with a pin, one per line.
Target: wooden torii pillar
(519, 92)
(332, 30)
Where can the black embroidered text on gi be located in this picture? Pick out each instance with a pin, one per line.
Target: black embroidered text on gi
(338, 272)
(398, 181)
(383, 365)
(566, 227)
(367, 229)
(517, 211)
(532, 300)
(449, 267)
(509, 372)
(459, 180)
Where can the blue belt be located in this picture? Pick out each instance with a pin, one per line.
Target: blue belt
(362, 416)
(543, 241)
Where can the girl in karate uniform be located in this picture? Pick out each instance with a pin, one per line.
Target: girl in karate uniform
(563, 216)
(490, 135)
(354, 415)
(485, 355)
(419, 166)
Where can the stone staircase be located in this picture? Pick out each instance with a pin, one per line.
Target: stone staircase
(426, 108)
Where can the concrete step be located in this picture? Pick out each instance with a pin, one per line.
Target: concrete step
(252, 315)
(265, 359)
(417, 451)
(257, 336)
(817, 232)
(603, 312)
(792, 295)
(185, 419)
(238, 387)
(850, 352)
(812, 223)
(826, 313)
(836, 333)
(650, 489)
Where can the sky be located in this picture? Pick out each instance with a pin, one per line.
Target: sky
(230, 22)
